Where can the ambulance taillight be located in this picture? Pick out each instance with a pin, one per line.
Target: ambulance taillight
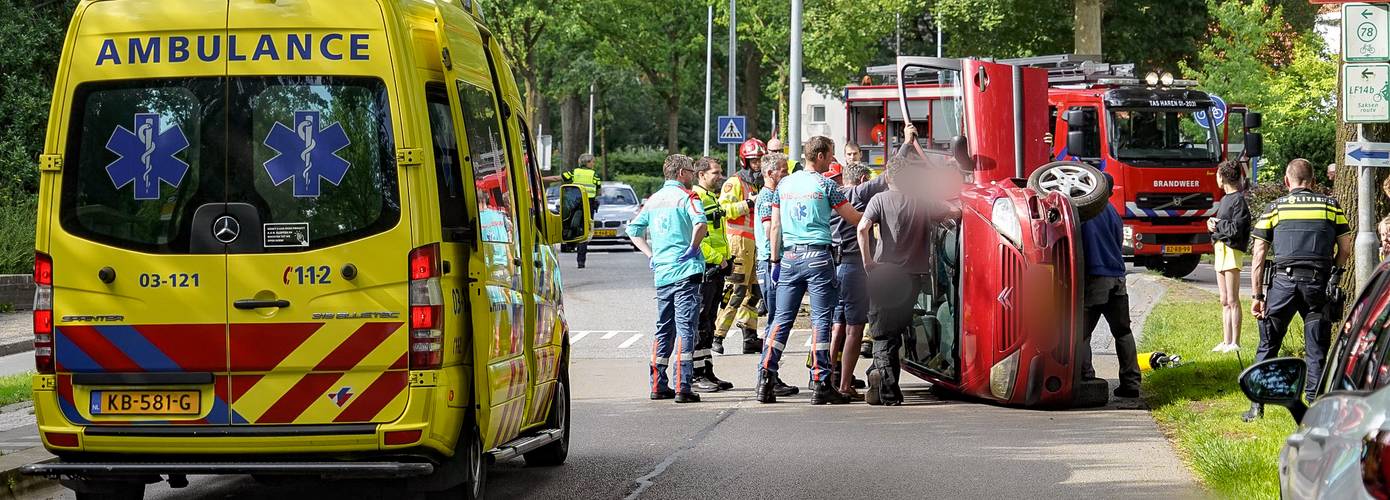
(426, 309)
(43, 313)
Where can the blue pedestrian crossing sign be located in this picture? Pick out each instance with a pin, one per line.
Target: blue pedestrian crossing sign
(731, 129)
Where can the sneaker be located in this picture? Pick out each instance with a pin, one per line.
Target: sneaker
(704, 384)
(663, 394)
(825, 394)
(783, 390)
(1231, 348)
(873, 395)
(1257, 411)
(687, 397)
(1126, 392)
(718, 345)
(1220, 347)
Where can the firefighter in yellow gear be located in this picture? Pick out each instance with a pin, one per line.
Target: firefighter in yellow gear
(715, 247)
(741, 299)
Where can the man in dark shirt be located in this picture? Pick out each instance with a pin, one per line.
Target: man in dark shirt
(852, 310)
(1105, 296)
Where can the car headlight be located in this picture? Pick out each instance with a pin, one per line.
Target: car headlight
(1001, 377)
(1005, 218)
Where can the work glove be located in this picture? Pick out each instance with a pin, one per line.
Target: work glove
(776, 272)
(751, 203)
(693, 253)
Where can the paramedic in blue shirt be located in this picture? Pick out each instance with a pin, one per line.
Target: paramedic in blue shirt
(801, 262)
(1106, 297)
(677, 225)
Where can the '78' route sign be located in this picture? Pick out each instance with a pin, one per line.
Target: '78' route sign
(1364, 36)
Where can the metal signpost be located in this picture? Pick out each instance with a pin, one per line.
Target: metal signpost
(1366, 99)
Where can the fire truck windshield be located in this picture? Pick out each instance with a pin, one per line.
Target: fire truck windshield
(1150, 136)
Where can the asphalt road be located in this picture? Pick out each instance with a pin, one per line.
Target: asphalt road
(730, 446)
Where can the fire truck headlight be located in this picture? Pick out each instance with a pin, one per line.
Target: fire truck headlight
(1002, 375)
(1151, 78)
(1129, 235)
(1004, 215)
(1166, 79)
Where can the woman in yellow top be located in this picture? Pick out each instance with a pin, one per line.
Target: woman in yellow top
(1230, 234)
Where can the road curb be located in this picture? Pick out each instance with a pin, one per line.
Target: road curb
(16, 347)
(18, 485)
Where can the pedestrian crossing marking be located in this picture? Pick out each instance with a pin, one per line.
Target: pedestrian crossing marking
(630, 340)
(731, 131)
(609, 335)
(578, 336)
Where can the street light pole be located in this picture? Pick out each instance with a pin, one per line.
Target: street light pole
(709, 66)
(732, 159)
(793, 145)
(591, 119)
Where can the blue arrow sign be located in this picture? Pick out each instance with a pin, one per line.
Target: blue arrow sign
(1368, 154)
(1361, 154)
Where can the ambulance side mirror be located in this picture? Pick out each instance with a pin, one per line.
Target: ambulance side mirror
(576, 221)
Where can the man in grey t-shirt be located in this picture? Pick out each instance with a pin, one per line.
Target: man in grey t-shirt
(899, 267)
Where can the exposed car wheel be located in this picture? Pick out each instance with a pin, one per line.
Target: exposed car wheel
(555, 453)
(476, 484)
(1180, 266)
(1088, 188)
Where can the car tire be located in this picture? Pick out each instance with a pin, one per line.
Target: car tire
(1180, 266)
(555, 453)
(476, 484)
(1088, 187)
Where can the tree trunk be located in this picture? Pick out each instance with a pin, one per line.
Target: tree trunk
(751, 86)
(573, 129)
(673, 121)
(532, 82)
(542, 124)
(1087, 27)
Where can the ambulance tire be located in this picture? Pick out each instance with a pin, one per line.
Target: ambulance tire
(1089, 190)
(555, 453)
(475, 485)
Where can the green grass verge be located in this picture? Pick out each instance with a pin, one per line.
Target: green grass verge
(16, 388)
(1199, 404)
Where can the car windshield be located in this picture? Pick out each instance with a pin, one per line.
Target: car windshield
(1163, 136)
(617, 195)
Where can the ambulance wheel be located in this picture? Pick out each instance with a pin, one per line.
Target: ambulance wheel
(476, 483)
(1180, 266)
(555, 453)
(1088, 188)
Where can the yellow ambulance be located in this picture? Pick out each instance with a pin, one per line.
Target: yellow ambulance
(294, 237)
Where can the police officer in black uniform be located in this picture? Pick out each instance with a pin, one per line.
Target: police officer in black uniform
(1311, 242)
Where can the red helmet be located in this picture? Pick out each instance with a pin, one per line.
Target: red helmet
(752, 149)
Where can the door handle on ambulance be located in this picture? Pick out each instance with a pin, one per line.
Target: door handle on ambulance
(257, 304)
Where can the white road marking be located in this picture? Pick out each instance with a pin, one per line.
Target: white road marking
(577, 337)
(609, 335)
(630, 340)
(808, 342)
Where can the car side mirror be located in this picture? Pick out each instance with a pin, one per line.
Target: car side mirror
(960, 151)
(1253, 120)
(1277, 382)
(1254, 144)
(576, 220)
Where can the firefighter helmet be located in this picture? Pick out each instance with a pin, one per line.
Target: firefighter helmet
(752, 149)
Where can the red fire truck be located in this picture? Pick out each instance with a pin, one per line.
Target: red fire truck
(1158, 138)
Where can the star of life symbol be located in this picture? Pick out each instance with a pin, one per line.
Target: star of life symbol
(800, 212)
(307, 153)
(147, 156)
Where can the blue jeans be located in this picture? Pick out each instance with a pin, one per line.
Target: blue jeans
(769, 288)
(677, 312)
(804, 269)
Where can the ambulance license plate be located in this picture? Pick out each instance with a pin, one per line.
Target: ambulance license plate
(1177, 249)
(605, 233)
(146, 403)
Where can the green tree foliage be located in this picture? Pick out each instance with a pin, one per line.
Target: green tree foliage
(31, 38)
(1005, 28)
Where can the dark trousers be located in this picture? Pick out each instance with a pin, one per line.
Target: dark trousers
(1306, 296)
(710, 294)
(1107, 298)
(582, 249)
(890, 322)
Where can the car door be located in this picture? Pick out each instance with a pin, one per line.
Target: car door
(495, 276)
(544, 349)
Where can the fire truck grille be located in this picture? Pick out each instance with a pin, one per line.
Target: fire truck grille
(1173, 201)
(1010, 299)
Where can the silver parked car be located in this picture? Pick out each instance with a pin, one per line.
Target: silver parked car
(1342, 446)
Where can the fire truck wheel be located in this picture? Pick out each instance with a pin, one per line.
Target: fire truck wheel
(1088, 188)
(1180, 266)
(555, 453)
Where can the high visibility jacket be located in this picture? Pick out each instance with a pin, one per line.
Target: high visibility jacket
(738, 218)
(1303, 227)
(715, 246)
(585, 178)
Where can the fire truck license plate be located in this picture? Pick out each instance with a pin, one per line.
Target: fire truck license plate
(1177, 248)
(146, 403)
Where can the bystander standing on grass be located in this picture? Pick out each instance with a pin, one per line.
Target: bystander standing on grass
(1230, 232)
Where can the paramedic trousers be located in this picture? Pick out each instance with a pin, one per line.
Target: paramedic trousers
(742, 306)
(805, 269)
(581, 250)
(1307, 296)
(1106, 297)
(889, 323)
(677, 310)
(769, 289)
(710, 293)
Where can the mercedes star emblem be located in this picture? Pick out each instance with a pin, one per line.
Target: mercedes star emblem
(225, 229)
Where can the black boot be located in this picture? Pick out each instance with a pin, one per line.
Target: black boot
(766, 387)
(724, 385)
(718, 345)
(687, 397)
(828, 394)
(866, 350)
(751, 343)
(1257, 411)
(784, 390)
(664, 394)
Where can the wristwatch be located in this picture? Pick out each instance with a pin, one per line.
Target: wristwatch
(1259, 296)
